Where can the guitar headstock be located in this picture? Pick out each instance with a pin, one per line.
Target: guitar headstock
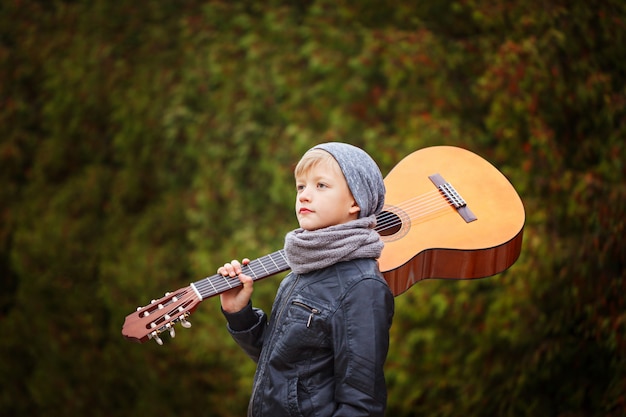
(161, 315)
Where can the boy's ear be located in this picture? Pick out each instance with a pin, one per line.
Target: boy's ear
(355, 208)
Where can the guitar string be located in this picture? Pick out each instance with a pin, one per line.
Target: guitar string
(415, 208)
(255, 269)
(420, 206)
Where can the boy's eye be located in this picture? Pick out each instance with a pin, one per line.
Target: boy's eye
(299, 187)
(321, 185)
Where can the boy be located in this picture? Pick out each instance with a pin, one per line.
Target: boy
(322, 350)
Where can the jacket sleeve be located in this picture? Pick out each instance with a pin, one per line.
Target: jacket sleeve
(247, 327)
(361, 342)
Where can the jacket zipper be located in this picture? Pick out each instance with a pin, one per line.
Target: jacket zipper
(312, 310)
(280, 313)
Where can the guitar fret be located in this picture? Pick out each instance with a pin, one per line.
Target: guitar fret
(250, 267)
(263, 266)
(274, 262)
(282, 254)
(214, 289)
(227, 281)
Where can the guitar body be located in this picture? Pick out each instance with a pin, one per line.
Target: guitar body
(434, 240)
(448, 214)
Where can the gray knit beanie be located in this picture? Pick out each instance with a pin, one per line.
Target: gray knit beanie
(362, 175)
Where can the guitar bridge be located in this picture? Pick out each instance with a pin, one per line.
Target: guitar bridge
(453, 197)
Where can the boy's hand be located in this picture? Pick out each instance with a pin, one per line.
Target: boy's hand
(236, 299)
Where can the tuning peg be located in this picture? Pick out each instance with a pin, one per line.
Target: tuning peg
(172, 331)
(183, 322)
(154, 335)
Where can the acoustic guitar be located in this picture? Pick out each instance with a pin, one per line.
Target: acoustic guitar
(448, 214)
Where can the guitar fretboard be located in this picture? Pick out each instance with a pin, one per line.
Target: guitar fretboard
(259, 268)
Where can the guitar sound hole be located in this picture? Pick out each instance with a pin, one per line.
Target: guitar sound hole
(388, 223)
(392, 224)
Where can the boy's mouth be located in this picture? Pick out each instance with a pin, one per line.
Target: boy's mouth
(304, 210)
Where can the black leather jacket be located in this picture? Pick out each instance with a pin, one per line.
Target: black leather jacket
(322, 351)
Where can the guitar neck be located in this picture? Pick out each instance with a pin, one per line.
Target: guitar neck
(263, 267)
(259, 268)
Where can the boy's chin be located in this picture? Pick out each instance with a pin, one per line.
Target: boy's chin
(308, 226)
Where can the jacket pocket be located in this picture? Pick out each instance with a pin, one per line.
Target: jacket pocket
(293, 402)
(303, 329)
(312, 310)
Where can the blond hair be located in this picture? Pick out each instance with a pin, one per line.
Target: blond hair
(314, 158)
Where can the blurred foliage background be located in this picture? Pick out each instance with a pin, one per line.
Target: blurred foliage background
(144, 144)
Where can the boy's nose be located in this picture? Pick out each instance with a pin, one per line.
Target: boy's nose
(304, 195)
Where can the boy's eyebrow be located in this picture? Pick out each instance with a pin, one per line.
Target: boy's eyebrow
(323, 177)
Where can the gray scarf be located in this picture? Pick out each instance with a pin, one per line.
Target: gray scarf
(310, 250)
